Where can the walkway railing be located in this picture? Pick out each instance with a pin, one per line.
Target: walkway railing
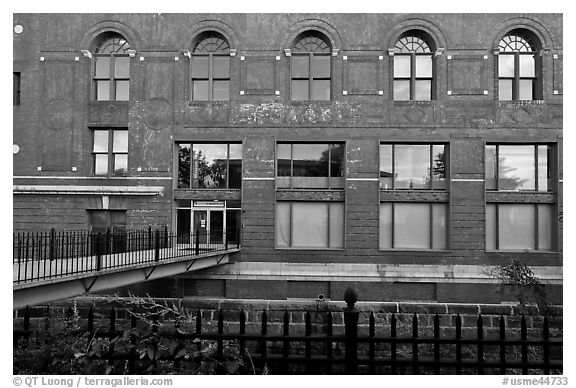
(54, 254)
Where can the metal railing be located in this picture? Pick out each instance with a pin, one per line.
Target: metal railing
(54, 254)
(323, 348)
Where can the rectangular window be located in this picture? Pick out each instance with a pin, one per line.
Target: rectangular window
(102, 220)
(513, 227)
(310, 165)
(110, 150)
(111, 77)
(413, 225)
(210, 165)
(16, 88)
(413, 76)
(310, 76)
(518, 167)
(311, 225)
(210, 77)
(413, 166)
(517, 76)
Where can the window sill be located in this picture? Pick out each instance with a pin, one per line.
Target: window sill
(308, 249)
(413, 250)
(525, 251)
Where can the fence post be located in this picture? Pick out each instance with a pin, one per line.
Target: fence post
(52, 244)
(149, 237)
(98, 252)
(351, 331)
(157, 245)
(197, 242)
(166, 236)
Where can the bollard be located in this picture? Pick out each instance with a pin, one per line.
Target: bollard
(351, 331)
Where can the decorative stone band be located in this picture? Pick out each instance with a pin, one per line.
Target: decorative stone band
(371, 272)
(83, 190)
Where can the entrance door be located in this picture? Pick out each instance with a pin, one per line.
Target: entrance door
(200, 225)
(211, 225)
(216, 227)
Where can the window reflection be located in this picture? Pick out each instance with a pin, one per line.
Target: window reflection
(310, 165)
(412, 166)
(209, 166)
(518, 167)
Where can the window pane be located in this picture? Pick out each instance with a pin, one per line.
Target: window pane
(122, 90)
(423, 90)
(412, 225)
(221, 66)
(505, 89)
(200, 90)
(98, 219)
(101, 164)
(102, 67)
(122, 67)
(100, 141)
(424, 66)
(235, 165)
(120, 142)
(490, 227)
(310, 224)
(310, 160)
(284, 159)
(336, 160)
(300, 66)
(545, 227)
(506, 65)
(402, 66)
(412, 166)
(527, 65)
(120, 163)
(439, 167)
(183, 165)
(543, 168)
(385, 226)
(526, 89)
(183, 226)
(401, 90)
(321, 66)
(516, 226)
(490, 167)
(516, 168)
(209, 168)
(321, 90)
(336, 225)
(386, 174)
(300, 90)
(200, 66)
(103, 90)
(221, 90)
(438, 226)
(282, 224)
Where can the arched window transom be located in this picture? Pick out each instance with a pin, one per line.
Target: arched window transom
(111, 73)
(518, 67)
(310, 67)
(413, 67)
(210, 68)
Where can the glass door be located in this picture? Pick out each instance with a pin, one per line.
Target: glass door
(200, 225)
(216, 226)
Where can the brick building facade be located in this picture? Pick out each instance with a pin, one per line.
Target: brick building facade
(399, 153)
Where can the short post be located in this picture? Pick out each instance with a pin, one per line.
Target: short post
(98, 252)
(157, 245)
(351, 331)
(52, 244)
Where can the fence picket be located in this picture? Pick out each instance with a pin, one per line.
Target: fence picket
(480, 347)
(524, 347)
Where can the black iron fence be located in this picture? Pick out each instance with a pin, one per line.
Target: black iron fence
(319, 349)
(47, 255)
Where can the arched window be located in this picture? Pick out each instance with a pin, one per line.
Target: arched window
(311, 67)
(211, 68)
(518, 66)
(111, 68)
(414, 67)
